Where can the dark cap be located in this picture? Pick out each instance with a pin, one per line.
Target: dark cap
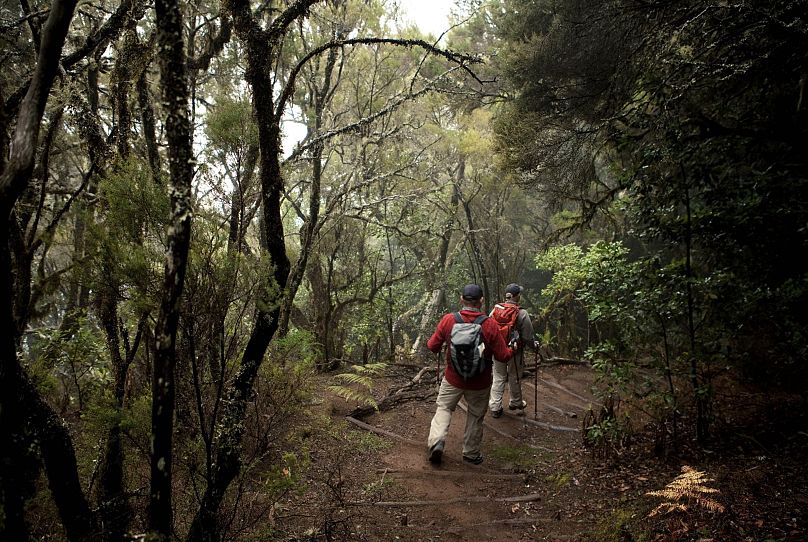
(512, 290)
(472, 292)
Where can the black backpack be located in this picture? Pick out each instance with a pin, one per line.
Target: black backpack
(465, 341)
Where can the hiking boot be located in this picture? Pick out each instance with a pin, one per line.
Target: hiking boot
(496, 413)
(520, 406)
(474, 460)
(436, 452)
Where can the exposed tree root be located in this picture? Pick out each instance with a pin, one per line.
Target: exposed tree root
(559, 361)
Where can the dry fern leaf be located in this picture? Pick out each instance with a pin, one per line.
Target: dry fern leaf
(687, 490)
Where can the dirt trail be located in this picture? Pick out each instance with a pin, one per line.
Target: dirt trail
(537, 481)
(513, 495)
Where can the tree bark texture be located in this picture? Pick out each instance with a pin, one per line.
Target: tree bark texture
(174, 85)
(122, 78)
(97, 150)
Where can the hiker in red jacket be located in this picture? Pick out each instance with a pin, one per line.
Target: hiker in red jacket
(472, 339)
(515, 323)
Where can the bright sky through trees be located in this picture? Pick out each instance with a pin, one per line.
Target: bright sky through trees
(430, 15)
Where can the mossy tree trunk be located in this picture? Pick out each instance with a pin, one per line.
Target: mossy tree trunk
(178, 126)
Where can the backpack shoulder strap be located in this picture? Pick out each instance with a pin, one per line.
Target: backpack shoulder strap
(480, 319)
(458, 318)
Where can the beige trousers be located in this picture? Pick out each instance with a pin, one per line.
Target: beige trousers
(509, 373)
(448, 397)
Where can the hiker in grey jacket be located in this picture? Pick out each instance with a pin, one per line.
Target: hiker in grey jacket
(513, 321)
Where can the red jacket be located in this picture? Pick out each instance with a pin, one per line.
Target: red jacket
(494, 345)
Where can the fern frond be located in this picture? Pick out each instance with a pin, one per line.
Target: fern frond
(710, 504)
(360, 380)
(361, 376)
(370, 368)
(350, 394)
(686, 489)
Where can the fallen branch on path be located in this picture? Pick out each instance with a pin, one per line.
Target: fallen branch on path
(406, 365)
(561, 411)
(380, 431)
(456, 500)
(415, 380)
(544, 425)
(397, 397)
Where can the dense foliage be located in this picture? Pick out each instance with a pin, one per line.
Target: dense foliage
(678, 128)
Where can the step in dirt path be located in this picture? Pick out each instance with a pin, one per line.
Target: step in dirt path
(522, 490)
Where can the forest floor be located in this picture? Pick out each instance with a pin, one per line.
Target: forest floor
(538, 482)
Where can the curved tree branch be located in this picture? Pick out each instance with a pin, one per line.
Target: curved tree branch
(213, 46)
(458, 58)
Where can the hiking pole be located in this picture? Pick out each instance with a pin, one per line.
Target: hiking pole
(518, 368)
(536, 386)
(514, 346)
(437, 377)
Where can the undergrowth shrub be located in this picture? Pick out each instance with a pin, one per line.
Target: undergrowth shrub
(606, 432)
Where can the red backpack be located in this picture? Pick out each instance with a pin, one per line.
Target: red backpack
(505, 316)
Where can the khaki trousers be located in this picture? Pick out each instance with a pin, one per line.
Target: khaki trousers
(448, 397)
(511, 373)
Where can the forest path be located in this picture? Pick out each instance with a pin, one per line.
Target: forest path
(526, 489)
(538, 482)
